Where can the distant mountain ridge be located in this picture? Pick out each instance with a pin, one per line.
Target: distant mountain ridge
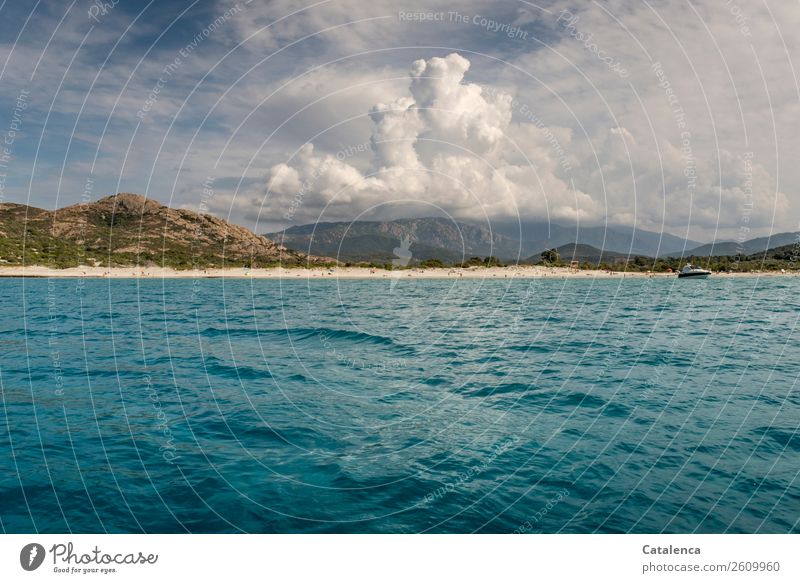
(540, 235)
(130, 229)
(432, 238)
(749, 247)
(447, 240)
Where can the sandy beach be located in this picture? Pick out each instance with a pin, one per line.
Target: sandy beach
(519, 272)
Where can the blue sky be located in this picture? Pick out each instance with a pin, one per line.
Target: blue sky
(673, 115)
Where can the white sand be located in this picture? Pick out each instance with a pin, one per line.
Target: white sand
(342, 273)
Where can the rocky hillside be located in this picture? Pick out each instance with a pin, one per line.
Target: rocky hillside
(129, 229)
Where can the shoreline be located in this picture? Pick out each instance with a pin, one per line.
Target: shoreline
(511, 272)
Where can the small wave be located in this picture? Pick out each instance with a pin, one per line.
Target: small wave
(214, 331)
(531, 348)
(298, 377)
(262, 432)
(519, 389)
(786, 438)
(582, 400)
(436, 381)
(324, 334)
(215, 366)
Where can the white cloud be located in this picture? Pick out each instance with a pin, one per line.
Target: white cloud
(536, 126)
(557, 133)
(447, 143)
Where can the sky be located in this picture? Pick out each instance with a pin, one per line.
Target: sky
(672, 115)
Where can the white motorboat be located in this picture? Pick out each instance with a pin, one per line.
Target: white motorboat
(693, 271)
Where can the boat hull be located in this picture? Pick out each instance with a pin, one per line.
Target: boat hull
(694, 275)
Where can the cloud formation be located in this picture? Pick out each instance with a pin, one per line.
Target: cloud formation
(448, 143)
(475, 152)
(334, 108)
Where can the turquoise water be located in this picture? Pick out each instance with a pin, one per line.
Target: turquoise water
(646, 405)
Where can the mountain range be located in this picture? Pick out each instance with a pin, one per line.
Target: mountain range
(451, 241)
(130, 229)
(748, 247)
(447, 240)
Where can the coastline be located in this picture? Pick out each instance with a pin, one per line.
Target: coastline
(510, 272)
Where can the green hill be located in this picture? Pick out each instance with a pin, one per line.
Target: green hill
(129, 229)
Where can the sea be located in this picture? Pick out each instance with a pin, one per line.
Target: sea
(400, 405)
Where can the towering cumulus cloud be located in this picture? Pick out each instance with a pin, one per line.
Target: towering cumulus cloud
(478, 153)
(446, 143)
